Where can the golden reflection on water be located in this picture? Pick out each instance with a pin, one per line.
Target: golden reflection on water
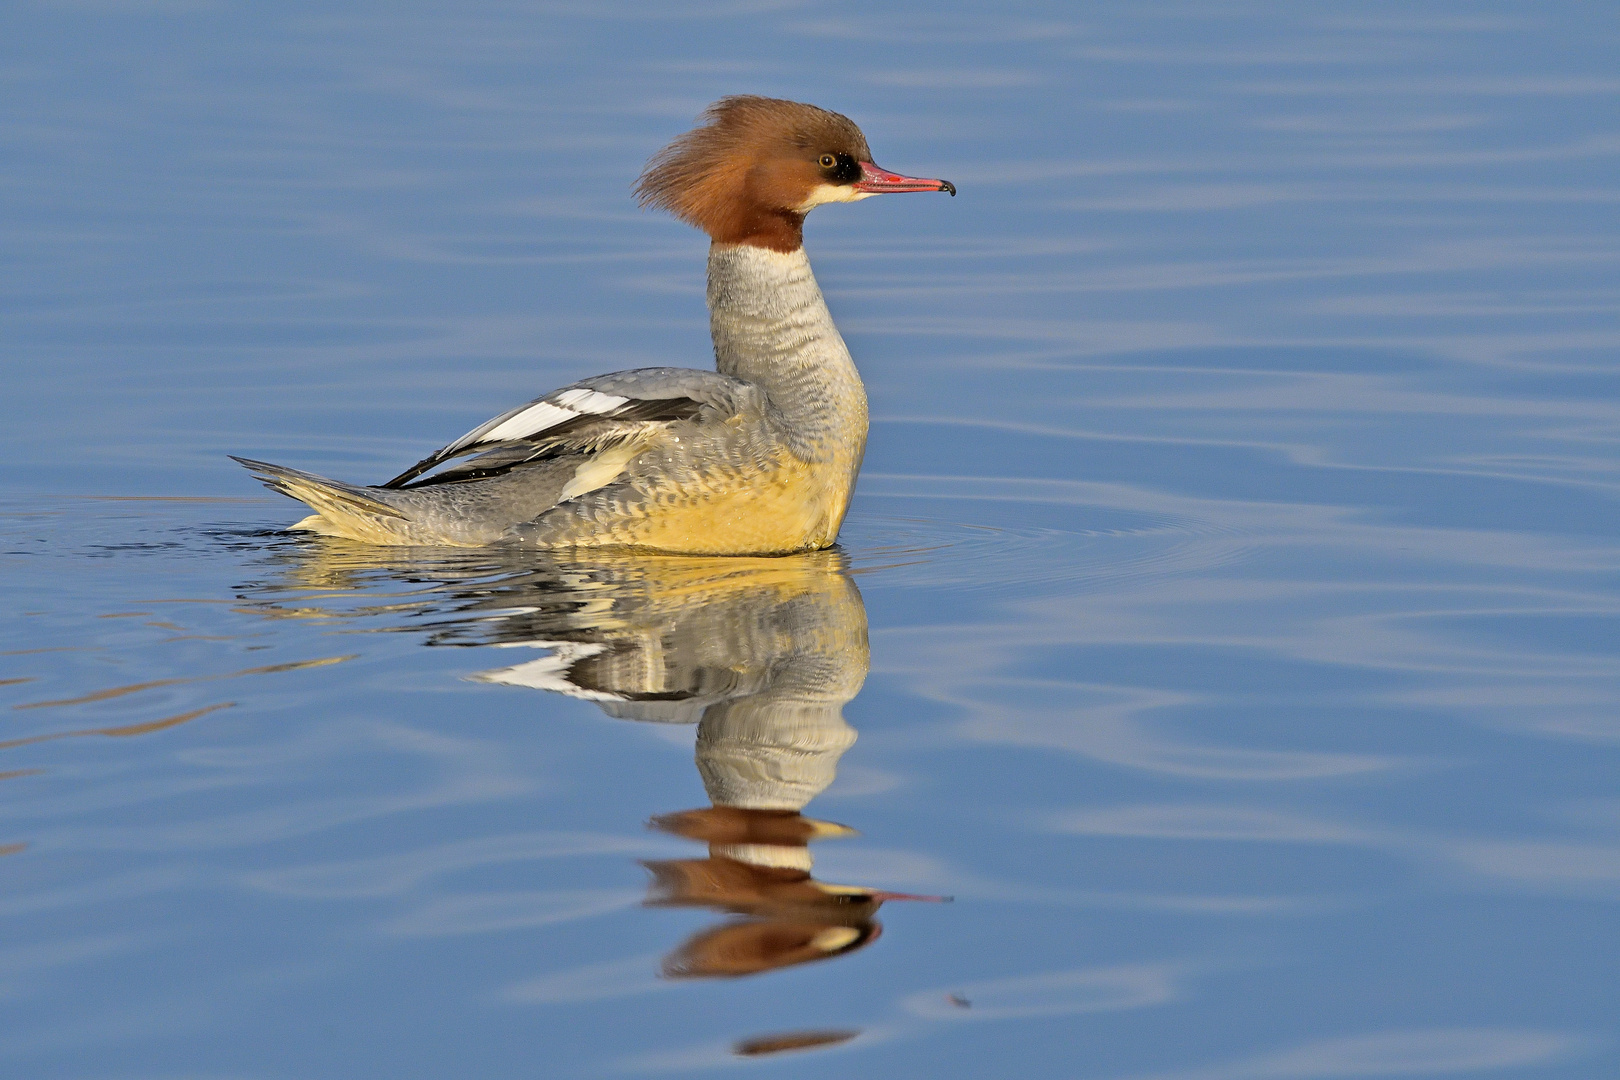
(120, 729)
(135, 688)
(761, 654)
(114, 693)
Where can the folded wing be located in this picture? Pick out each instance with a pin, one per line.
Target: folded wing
(591, 415)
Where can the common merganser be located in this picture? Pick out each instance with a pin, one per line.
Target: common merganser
(758, 457)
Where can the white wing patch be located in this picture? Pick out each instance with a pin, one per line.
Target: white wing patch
(541, 415)
(568, 405)
(534, 418)
(590, 401)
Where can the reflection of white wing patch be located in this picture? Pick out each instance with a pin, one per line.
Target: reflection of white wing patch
(566, 406)
(549, 672)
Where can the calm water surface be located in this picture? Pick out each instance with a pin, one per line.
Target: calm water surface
(1227, 618)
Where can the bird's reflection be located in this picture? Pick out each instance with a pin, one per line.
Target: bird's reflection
(762, 654)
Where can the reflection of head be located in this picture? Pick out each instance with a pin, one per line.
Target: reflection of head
(788, 917)
(750, 947)
(762, 654)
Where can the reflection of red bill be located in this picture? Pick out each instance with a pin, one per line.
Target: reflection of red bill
(876, 181)
(791, 1040)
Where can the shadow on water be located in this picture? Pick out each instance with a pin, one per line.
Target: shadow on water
(761, 654)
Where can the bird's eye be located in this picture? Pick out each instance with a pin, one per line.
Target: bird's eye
(828, 161)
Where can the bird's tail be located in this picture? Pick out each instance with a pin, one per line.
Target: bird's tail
(340, 509)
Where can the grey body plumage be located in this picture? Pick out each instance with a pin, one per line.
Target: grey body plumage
(616, 459)
(757, 457)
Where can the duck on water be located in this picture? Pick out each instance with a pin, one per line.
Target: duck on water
(758, 457)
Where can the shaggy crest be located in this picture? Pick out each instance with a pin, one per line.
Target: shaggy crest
(743, 176)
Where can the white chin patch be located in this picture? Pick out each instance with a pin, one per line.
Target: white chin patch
(829, 193)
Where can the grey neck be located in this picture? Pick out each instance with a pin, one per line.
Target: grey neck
(772, 328)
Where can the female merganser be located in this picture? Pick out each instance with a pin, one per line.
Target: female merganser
(759, 457)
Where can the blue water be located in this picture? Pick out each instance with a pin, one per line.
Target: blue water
(1237, 550)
